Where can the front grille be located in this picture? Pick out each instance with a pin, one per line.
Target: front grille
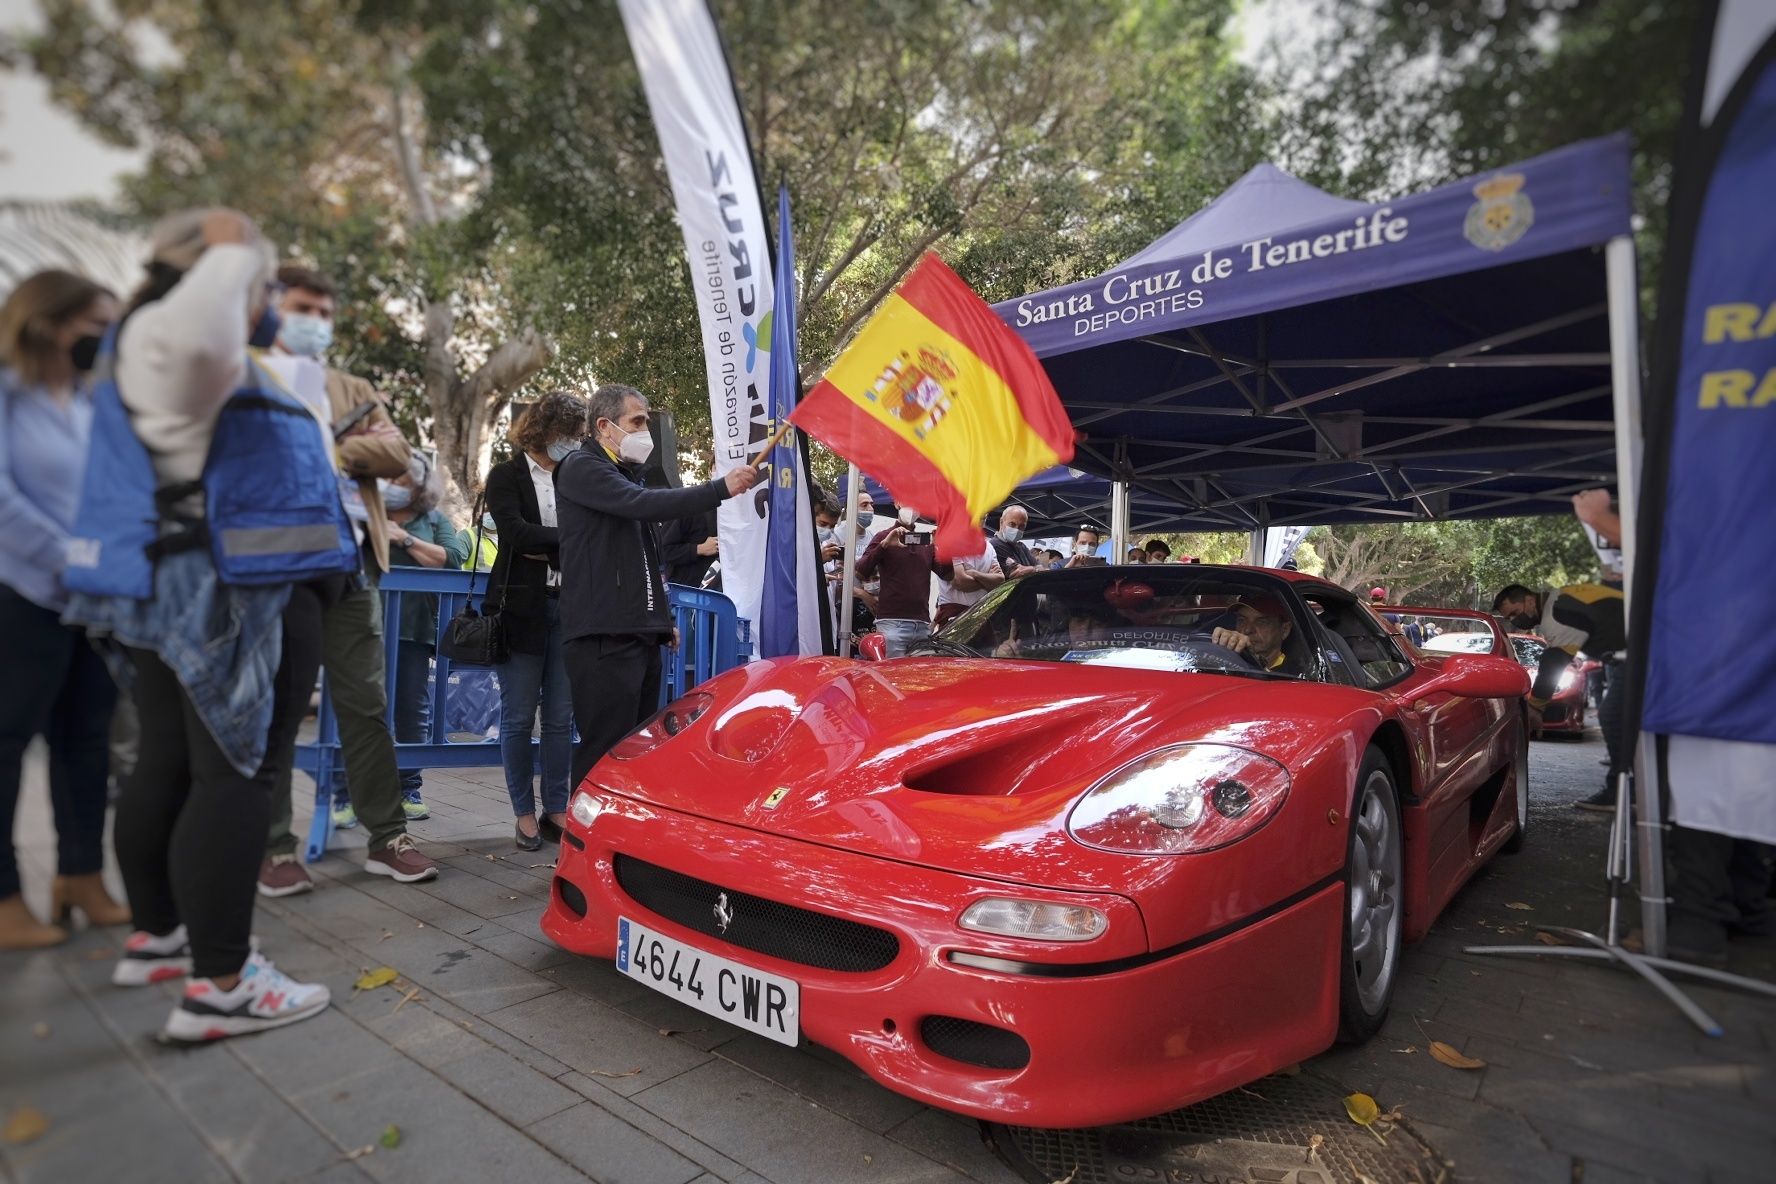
(974, 1043)
(1554, 713)
(754, 923)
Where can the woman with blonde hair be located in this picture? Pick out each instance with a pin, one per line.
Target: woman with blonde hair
(56, 686)
(209, 539)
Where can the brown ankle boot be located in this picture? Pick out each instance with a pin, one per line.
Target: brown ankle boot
(86, 893)
(19, 930)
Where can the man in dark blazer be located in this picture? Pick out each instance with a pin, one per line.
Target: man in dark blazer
(614, 610)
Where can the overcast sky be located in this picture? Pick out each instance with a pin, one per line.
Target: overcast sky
(43, 152)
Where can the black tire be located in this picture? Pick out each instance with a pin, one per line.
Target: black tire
(1520, 787)
(1373, 904)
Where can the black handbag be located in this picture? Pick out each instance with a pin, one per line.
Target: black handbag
(477, 638)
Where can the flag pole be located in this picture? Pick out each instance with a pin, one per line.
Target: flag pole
(850, 561)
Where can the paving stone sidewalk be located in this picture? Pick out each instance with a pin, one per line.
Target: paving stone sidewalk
(499, 1057)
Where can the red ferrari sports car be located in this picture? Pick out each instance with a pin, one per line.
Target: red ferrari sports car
(1565, 712)
(1076, 860)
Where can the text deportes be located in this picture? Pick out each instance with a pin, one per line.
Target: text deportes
(1125, 298)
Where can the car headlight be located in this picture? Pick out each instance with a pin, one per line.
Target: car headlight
(1179, 800)
(1566, 681)
(663, 725)
(583, 809)
(1040, 920)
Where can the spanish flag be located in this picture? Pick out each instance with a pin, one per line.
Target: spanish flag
(943, 401)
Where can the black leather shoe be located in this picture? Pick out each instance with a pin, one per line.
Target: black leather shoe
(526, 842)
(548, 829)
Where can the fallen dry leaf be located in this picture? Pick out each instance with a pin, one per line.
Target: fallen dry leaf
(1519, 906)
(391, 1136)
(25, 1125)
(1408, 1048)
(1313, 1146)
(1361, 1108)
(386, 934)
(382, 976)
(1068, 1178)
(361, 1152)
(409, 997)
(869, 1159)
(489, 858)
(1448, 1055)
(671, 1031)
(40, 1030)
(625, 1073)
(1548, 939)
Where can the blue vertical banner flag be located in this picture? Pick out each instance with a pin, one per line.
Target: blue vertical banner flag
(790, 608)
(1703, 575)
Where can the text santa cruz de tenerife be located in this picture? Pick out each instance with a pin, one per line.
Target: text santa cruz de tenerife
(1128, 298)
(731, 287)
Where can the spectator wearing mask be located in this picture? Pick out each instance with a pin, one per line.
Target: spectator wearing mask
(1588, 617)
(218, 615)
(1158, 551)
(615, 613)
(1014, 555)
(525, 588)
(484, 558)
(1085, 548)
(370, 450)
(419, 536)
(905, 565)
(863, 609)
(1136, 555)
(56, 685)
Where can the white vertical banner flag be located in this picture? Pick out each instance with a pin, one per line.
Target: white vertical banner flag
(691, 94)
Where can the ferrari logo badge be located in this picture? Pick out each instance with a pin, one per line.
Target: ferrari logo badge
(724, 915)
(1503, 214)
(775, 796)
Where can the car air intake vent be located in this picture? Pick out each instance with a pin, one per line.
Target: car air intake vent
(754, 923)
(974, 1043)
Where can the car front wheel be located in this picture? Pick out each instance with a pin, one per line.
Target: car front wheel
(1373, 904)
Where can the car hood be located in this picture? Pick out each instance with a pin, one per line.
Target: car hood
(967, 765)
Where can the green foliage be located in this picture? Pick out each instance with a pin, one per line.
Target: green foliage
(1454, 564)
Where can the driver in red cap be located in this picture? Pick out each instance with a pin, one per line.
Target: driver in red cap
(1262, 628)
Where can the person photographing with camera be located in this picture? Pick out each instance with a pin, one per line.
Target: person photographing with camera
(905, 560)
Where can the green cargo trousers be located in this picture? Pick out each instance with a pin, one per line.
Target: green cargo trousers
(353, 657)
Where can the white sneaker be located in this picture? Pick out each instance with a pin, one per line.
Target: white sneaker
(264, 998)
(150, 959)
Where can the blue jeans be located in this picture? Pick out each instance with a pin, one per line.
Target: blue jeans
(902, 635)
(527, 680)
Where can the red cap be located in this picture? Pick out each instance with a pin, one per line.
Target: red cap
(1378, 594)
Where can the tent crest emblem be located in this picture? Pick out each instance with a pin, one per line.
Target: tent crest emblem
(1503, 214)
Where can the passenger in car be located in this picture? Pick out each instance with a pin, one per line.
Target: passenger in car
(1262, 628)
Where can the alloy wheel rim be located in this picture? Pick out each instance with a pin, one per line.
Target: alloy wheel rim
(1375, 893)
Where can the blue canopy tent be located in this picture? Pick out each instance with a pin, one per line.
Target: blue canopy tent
(1060, 500)
(1288, 357)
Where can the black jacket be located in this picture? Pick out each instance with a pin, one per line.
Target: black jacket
(512, 500)
(610, 565)
(678, 549)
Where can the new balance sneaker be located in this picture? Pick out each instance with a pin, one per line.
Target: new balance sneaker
(283, 875)
(401, 860)
(413, 806)
(344, 817)
(264, 998)
(150, 959)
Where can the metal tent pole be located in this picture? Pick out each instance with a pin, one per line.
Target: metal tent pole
(850, 561)
(1638, 826)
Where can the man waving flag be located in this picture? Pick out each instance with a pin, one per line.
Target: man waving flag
(945, 401)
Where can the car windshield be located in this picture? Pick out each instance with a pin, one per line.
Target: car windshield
(1460, 643)
(1162, 618)
(1529, 650)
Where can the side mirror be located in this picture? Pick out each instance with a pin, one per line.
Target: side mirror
(1476, 676)
(872, 647)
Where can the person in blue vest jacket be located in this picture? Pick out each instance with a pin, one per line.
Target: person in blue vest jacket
(208, 541)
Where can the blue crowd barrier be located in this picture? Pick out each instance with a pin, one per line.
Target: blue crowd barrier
(713, 638)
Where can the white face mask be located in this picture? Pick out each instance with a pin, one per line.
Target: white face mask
(1010, 534)
(636, 447)
(558, 449)
(908, 517)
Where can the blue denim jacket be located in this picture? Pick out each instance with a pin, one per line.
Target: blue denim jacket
(224, 643)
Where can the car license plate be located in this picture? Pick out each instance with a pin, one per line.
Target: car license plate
(763, 1003)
